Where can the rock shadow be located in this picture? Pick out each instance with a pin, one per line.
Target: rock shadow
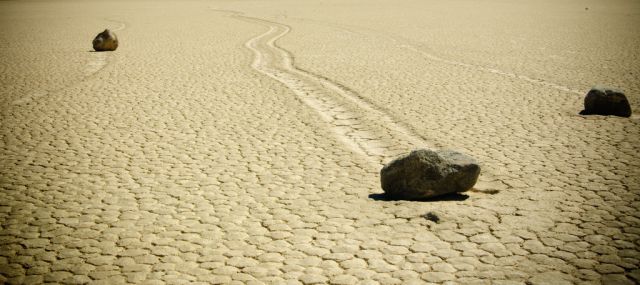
(447, 197)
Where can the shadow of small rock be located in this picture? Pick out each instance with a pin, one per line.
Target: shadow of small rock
(485, 191)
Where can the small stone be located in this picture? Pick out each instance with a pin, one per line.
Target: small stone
(431, 216)
(425, 173)
(105, 41)
(606, 101)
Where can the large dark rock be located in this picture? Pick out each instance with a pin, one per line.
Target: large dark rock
(425, 173)
(606, 101)
(105, 41)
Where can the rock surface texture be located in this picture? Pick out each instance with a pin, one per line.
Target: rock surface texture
(105, 41)
(606, 101)
(426, 173)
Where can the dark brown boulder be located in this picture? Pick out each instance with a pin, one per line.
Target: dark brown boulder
(105, 41)
(425, 173)
(606, 101)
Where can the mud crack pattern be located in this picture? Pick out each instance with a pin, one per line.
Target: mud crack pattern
(195, 167)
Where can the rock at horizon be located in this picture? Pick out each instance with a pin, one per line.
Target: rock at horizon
(606, 101)
(105, 41)
(425, 173)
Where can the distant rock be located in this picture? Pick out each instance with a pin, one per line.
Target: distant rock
(431, 216)
(425, 173)
(105, 41)
(606, 101)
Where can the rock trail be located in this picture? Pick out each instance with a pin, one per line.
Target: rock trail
(367, 130)
(98, 61)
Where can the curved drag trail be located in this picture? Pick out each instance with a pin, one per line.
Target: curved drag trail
(362, 126)
(367, 130)
(99, 60)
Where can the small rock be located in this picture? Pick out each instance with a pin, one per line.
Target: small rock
(606, 101)
(105, 41)
(425, 173)
(431, 216)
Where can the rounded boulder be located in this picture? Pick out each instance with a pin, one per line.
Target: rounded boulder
(606, 101)
(425, 173)
(105, 41)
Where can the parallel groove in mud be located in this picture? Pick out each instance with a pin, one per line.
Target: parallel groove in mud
(363, 127)
(367, 130)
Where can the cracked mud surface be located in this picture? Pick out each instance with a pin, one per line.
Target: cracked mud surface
(239, 148)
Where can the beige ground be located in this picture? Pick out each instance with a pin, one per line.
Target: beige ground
(240, 141)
